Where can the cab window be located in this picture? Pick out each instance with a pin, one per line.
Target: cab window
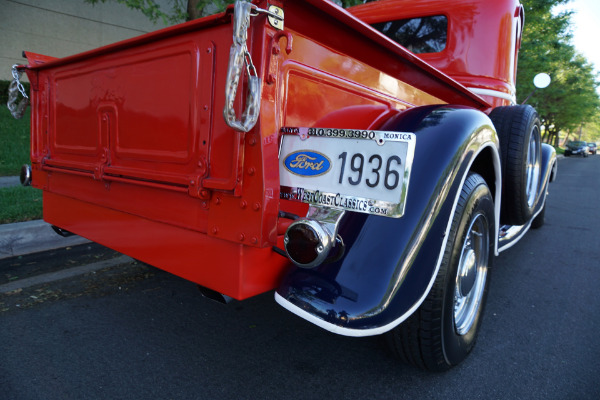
(419, 35)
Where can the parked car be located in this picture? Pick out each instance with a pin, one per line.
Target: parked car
(576, 148)
(592, 148)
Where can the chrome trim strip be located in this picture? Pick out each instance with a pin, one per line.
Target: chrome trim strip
(512, 234)
(494, 93)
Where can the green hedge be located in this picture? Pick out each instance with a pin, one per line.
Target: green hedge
(14, 141)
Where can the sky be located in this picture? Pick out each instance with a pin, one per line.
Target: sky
(586, 28)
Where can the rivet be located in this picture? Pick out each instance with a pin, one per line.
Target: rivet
(256, 206)
(241, 237)
(254, 240)
(218, 200)
(251, 171)
(243, 204)
(252, 141)
(215, 230)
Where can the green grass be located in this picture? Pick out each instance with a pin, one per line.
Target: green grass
(559, 150)
(19, 204)
(14, 142)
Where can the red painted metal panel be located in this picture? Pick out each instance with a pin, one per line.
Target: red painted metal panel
(483, 38)
(233, 269)
(130, 147)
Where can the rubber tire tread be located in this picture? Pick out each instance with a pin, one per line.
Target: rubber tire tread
(539, 219)
(418, 340)
(512, 124)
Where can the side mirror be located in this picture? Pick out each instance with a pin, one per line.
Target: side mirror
(541, 80)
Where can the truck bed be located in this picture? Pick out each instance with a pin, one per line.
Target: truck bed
(131, 149)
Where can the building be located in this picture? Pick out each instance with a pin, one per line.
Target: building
(60, 28)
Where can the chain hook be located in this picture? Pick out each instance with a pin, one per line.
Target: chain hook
(16, 87)
(238, 57)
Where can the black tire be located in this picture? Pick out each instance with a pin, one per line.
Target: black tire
(539, 219)
(518, 129)
(441, 333)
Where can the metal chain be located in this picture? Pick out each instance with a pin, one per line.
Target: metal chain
(16, 87)
(238, 57)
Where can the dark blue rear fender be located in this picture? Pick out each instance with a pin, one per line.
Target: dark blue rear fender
(390, 263)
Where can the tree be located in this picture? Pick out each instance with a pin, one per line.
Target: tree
(571, 100)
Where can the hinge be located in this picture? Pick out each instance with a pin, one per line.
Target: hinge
(275, 17)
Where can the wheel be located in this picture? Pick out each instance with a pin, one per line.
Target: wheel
(539, 219)
(518, 129)
(442, 332)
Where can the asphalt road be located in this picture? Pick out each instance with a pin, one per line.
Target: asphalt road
(134, 332)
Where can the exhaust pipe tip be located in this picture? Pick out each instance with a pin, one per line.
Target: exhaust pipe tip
(214, 295)
(25, 176)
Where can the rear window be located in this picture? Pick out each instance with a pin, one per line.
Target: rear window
(419, 35)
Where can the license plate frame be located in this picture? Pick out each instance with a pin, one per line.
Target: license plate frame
(366, 171)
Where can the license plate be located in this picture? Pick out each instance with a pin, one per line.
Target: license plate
(356, 170)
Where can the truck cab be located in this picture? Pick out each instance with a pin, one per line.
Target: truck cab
(474, 42)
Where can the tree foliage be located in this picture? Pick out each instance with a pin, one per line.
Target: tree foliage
(571, 100)
(152, 10)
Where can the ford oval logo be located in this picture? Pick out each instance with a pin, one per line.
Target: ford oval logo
(307, 163)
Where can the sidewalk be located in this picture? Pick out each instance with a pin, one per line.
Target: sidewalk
(30, 237)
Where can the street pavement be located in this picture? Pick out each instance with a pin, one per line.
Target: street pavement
(136, 332)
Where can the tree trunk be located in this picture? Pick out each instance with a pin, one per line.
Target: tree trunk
(194, 11)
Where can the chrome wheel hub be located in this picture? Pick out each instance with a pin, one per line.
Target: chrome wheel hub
(471, 275)
(533, 167)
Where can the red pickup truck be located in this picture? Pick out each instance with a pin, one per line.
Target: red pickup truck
(365, 164)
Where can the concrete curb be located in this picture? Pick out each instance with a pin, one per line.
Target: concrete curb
(32, 237)
(62, 274)
(9, 181)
